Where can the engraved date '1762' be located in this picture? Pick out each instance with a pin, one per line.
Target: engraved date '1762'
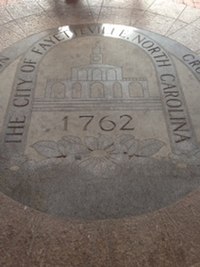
(104, 123)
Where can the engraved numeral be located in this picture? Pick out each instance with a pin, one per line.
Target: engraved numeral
(105, 124)
(124, 126)
(88, 122)
(110, 124)
(65, 123)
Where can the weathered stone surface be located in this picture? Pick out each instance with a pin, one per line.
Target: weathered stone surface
(99, 122)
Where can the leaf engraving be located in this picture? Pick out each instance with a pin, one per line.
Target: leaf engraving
(72, 139)
(133, 148)
(105, 142)
(126, 139)
(130, 143)
(149, 147)
(91, 142)
(48, 149)
(72, 145)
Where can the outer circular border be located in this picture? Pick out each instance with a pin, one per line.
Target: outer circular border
(167, 237)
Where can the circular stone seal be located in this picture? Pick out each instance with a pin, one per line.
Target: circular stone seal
(99, 121)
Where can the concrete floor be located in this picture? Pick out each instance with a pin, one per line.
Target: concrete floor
(166, 237)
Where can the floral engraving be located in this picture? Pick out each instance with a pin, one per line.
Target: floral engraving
(104, 154)
(48, 149)
(100, 153)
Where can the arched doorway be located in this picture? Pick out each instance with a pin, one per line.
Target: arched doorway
(76, 90)
(135, 89)
(97, 90)
(117, 90)
(58, 90)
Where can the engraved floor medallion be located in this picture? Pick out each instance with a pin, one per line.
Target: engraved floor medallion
(99, 121)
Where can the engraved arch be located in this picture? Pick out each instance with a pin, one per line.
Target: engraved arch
(97, 75)
(97, 90)
(111, 75)
(76, 90)
(117, 90)
(82, 75)
(58, 90)
(135, 89)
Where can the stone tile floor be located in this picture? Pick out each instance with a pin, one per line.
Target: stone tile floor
(169, 237)
(179, 21)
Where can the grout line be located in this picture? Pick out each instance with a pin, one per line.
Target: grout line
(100, 11)
(90, 10)
(187, 24)
(150, 5)
(145, 11)
(14, 21)
(20, 35)
(138, 19)
(177, 18)
(40, 6)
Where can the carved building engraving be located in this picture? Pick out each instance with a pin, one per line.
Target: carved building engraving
(113, 124)
(94, 82)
